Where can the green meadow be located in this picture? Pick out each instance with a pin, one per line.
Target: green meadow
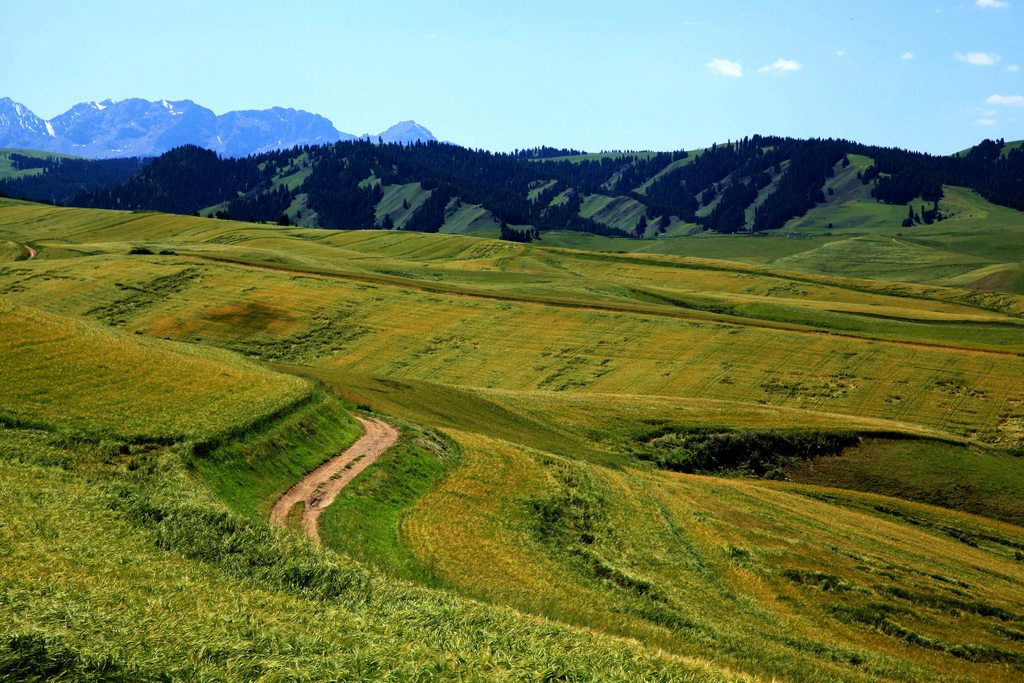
(166, 378)
(978, 244)
(7, 169)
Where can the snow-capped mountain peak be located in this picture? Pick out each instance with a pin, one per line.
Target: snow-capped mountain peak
(137, 127)
(403, 132)
(19, 127)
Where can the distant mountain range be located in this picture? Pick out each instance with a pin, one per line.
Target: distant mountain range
(137, 127)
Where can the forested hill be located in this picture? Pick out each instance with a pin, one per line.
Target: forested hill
(55, 178)
(755, 184)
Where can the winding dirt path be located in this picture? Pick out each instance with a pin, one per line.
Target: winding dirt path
(319, 488)
(31, 252)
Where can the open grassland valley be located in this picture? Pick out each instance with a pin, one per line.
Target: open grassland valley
(271, 451)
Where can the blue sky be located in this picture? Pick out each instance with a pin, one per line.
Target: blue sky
(933, 76)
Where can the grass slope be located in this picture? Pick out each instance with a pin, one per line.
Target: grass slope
(7, 170)
(92, 377)
(524, 378)
(627, 549)
(622, 213)
(400, 202)
(419, 307)
(174, 587)
(470, 219)
(978, 245)
(944, 474)
(120, 564)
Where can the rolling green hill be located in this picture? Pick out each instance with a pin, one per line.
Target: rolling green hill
(51, 177)
(581, 490)
(1007, 148)
(978, 245)
(8, 168)
(816, 191)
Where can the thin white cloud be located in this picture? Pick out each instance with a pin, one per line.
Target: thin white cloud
(978, 58)
(840, 53)
(992, 4)
(986, 122)
(1013, 68)
(724, 67)
(1006, 100)
(907, 56)
(780, 67)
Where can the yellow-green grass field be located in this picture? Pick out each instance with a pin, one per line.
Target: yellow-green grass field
(177, 374)
(944, 474)
(119, 563)
(157, 582)
(538, 342)
(808, 590)
(865, 240)
(76, 375)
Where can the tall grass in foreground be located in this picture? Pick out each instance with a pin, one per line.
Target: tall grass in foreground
(115, 575)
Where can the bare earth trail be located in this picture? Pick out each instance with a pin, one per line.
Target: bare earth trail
(31, 252)
(319, 488)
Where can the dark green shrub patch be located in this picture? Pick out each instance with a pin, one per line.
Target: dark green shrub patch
(762, 453)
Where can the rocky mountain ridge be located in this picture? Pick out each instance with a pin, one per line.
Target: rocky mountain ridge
(140, 128)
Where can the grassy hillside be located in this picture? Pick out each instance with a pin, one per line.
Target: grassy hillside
(1007, 148)
(628, 549)
(7, 169)
(755, 184)
(400, 202)
(515, 531)
(616, 212)
(118, 565)
(470, 219)
(808, 205)
(945, 474)
(978, 245)
(94, 377)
